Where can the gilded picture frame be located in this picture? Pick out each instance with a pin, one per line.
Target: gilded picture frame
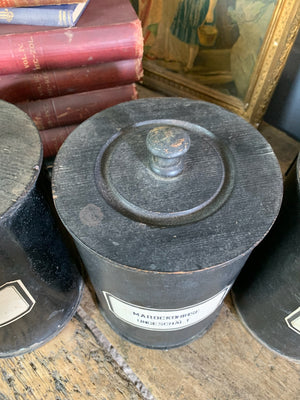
(239, 70)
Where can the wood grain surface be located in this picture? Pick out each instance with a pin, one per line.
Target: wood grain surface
(72, 366)
(18, 136)
(226, 363)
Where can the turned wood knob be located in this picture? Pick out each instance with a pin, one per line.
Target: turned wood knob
(167, 147)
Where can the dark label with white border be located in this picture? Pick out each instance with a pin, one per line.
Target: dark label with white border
(293, 320)
(15, 302)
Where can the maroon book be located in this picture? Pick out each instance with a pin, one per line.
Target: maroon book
(44, 84)
(53, 138)
(75, 108)
(108, 30)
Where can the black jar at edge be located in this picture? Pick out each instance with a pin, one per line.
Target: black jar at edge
(40, 281)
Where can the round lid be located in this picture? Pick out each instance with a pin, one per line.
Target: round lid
(20, 156)
(167, 184)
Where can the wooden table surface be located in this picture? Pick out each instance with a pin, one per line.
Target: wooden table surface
(87, 360)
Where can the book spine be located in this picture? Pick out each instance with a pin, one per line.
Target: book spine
(34, 3)
(45, 84)
(75, 108)
(37, 16)
(70, 47)
(53, 138)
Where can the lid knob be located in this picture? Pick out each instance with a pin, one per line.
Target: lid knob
(167, 146)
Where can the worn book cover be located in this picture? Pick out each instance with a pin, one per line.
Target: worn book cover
(59, 82)
(75, 108)
(34, 3)
(62, 15)
(108, 30)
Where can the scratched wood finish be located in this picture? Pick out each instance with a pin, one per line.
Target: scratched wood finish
(70, 367)
(226, 363)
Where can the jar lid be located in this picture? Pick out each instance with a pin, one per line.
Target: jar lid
(20, 156)
(167, 184)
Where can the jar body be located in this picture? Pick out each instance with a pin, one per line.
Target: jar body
(155, 309)
(171, 196)
(39, 277)
(269, 285)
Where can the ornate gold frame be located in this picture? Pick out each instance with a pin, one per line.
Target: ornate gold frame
(280, 36)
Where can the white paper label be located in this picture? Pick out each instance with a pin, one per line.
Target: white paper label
(293, 320)
(163, 320)
(15, 302)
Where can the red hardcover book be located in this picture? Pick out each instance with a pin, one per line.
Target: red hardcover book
(53, 138)
(33, 3)
(75, 108)
(44, 84)
(108, 30)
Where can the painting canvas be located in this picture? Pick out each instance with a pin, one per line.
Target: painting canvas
(214, 49)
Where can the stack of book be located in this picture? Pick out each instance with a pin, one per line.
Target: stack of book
(62, 75)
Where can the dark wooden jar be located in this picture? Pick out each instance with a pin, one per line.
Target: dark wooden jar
(165, 199)
(267, 292)
(40, 285)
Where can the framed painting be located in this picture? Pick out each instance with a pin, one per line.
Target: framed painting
(229, 52)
